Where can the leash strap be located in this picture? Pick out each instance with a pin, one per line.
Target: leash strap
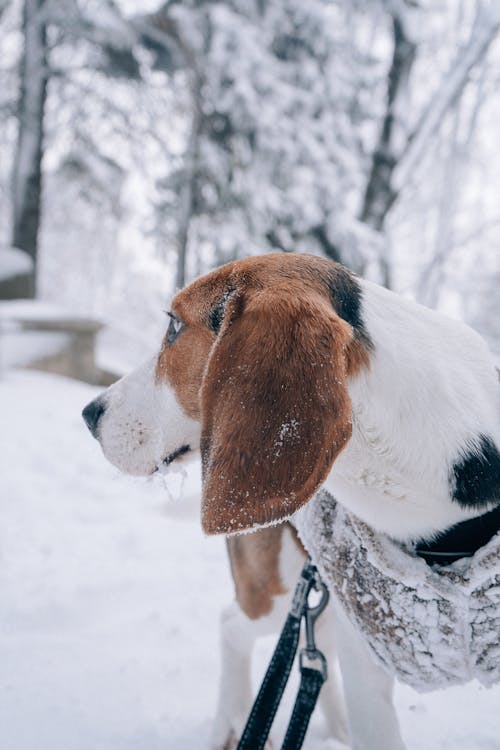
(271, 691)
(310, 685)
(268, 699)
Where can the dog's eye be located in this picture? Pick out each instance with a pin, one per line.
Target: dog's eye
(175, 327)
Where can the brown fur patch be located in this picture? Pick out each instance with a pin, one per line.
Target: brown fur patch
(254, 562)
(183, 364)
(269, 388)
(255, 565)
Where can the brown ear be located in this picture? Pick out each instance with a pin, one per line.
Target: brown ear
(275, 408)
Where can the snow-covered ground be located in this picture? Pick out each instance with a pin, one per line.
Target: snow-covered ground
(110, 599)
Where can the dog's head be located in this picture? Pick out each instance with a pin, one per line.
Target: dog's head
(252, 371)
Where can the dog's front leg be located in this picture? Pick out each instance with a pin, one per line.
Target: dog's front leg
(238, 635)
(368, 689)
(235, 692)
(331, 697)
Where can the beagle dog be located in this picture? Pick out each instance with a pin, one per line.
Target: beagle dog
(290, 373)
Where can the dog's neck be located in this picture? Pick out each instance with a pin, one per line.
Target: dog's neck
(428, 395)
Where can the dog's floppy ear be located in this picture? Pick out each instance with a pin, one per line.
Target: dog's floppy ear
(275, 408)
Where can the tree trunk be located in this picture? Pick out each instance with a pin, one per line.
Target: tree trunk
(379, 195)
(27, 177)
(394, 163)
(187, 194)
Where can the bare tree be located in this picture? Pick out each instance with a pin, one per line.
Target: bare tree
(27, 176)
(379, 193)
(484, 30)
(397, 155)
(164, 34)
(116, 45)
(188, 187)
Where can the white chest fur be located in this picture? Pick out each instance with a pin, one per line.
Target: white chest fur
(431, 391)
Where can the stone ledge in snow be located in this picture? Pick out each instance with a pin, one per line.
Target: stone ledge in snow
(37, 314)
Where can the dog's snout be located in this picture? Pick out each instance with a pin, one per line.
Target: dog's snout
(92, 414)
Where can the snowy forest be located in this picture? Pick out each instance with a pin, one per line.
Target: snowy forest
(143, 143)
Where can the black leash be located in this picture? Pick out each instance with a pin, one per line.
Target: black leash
(313, 670)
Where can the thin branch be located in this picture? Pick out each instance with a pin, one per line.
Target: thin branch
(330, 250)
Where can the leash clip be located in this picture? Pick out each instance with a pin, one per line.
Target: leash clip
(304, 585)
(310, 656)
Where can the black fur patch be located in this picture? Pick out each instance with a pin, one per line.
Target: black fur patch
(216, 316)
(475, 478)
(346, 296)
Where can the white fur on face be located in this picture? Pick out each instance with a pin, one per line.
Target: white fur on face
(143, 423)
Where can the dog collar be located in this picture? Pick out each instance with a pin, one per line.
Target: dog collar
(461, 540)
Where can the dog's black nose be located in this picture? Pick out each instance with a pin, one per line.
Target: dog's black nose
(92, 414)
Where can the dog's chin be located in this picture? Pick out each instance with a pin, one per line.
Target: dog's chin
(136, 464)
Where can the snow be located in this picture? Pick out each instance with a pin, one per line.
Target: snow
(111, 599)
(14, 262)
